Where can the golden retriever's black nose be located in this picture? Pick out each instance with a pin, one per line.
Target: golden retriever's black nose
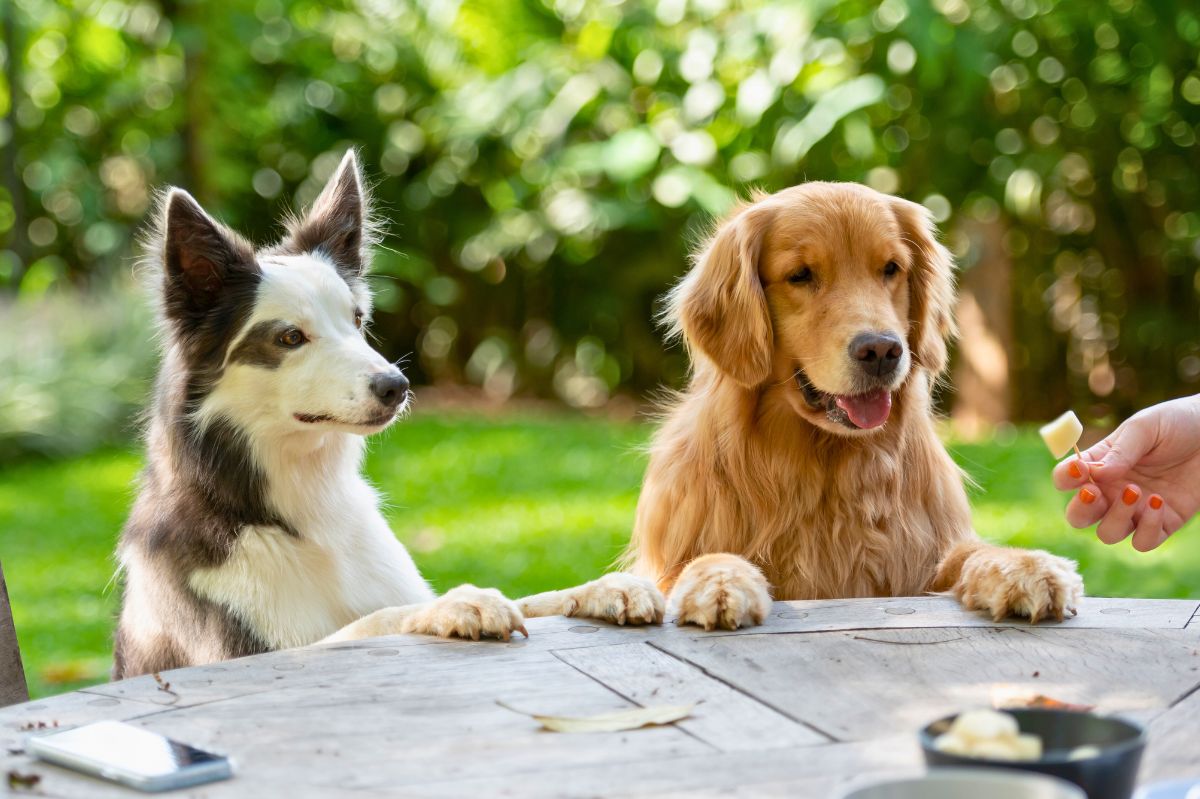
(390, 388)
(877, 353)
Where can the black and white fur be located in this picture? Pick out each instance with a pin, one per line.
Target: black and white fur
(253, 528)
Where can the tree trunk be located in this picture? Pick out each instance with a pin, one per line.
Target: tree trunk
(18, 243)
(191, 35)
(982, 384)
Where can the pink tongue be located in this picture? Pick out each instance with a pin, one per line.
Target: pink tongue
(867, 410)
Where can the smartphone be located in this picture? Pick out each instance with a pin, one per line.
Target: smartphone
(131, 756)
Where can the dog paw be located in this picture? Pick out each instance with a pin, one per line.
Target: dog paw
(468, 612)
(721, 591)
(619, 598)
(1019, 582)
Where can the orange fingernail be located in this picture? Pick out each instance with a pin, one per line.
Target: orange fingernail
(1130, 495)
(1073, 470)
(1086, 496)
(1155, 501)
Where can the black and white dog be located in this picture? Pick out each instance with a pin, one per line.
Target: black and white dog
(254, 529)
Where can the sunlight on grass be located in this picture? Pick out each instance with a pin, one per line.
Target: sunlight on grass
(520, 503)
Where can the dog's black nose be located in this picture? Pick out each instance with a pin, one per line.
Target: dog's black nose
(390, 388)
(877, 353)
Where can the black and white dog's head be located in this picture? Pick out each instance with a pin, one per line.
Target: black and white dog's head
(271, 340)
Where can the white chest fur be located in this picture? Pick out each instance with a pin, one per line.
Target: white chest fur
(345, 562)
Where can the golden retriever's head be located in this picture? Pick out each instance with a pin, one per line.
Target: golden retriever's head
(833, 290)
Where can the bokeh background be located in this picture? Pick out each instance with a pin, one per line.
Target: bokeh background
(544, 167)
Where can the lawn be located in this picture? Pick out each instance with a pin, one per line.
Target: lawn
(523, 503)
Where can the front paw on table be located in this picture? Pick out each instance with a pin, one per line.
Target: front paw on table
(1018, 582)
(468, 612)
(723, 591)
(619, 598)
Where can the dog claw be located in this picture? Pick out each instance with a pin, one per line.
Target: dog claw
(524, 632)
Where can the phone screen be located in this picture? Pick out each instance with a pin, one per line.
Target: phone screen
(132, 749)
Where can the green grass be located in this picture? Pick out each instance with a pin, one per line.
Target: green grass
(523, 503)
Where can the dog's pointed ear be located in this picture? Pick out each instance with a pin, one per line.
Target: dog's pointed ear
(338, 223)
(720, 308)
(931, 287)
(200, 256)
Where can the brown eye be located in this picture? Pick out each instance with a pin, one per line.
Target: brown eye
(358, 319)
(292, 338)
(805, 275)
(892, 269)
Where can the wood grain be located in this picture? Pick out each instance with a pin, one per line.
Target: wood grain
(825, 695)
(728, 719)
(937, 611)
(853, 685)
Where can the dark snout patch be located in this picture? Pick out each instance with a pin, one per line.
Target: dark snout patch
(259, 347)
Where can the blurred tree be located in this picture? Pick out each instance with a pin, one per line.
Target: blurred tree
(544, 165)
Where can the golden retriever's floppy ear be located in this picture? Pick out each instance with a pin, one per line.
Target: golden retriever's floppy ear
(719, 306)
(931, 287)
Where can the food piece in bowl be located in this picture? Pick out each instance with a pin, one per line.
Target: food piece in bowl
(984, 725)
(1029, 746)
(1084, 752)
(990, 735)
(951, 744)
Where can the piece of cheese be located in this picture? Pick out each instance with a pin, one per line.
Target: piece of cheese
(995, 750)
(1062, 434)
(1029, 746)
(989, 735)
(951, 744)
(985, 725)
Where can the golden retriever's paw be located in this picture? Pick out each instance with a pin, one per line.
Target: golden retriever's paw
(721, 591)
(1019, 582)
(468, 612)
(619, 598)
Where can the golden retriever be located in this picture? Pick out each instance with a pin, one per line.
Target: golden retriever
(801, 460)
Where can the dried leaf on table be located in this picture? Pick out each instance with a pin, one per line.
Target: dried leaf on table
(616, 721)
(18, 781)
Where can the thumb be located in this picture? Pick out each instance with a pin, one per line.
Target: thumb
(1122, 449)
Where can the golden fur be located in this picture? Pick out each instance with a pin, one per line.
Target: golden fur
(745, 475)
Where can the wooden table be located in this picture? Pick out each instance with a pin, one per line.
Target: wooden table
(825, 695)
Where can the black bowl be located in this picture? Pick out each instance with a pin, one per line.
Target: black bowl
(1111, 774)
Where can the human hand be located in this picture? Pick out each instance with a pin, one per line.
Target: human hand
(1143, 479)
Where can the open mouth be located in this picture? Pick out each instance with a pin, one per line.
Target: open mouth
(317, 418)
(855, 411)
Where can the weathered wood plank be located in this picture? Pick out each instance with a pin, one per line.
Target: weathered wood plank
(807, 616)
(728, 719)
(854, 685)
(823, 772)
(412, 716)
(67, 710)
(1173, 751)
(937, 611)
(223, 680)
(383, 725)
(310, 665)
(60, 712)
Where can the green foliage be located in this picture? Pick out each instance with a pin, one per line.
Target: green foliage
(76, 371)
(521, 503)
(545, 165)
